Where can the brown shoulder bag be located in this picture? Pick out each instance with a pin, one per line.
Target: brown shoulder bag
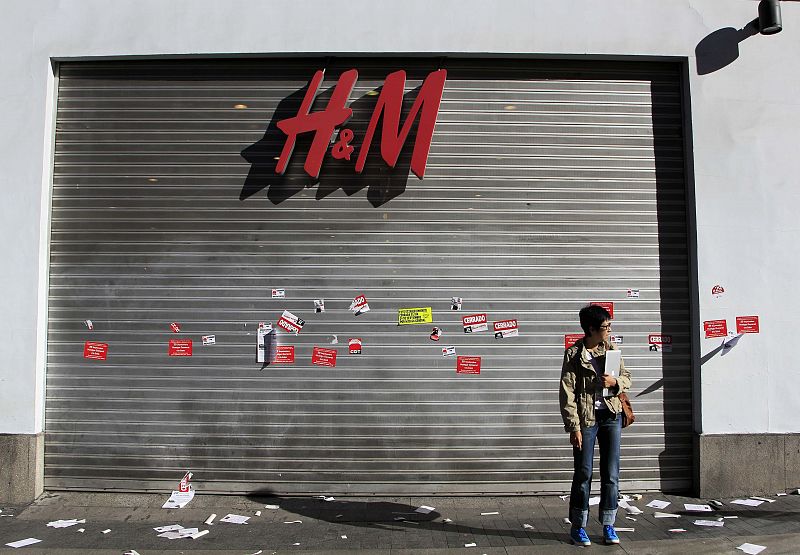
(628, 417)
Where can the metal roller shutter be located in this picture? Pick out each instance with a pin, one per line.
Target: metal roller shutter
(549, 184)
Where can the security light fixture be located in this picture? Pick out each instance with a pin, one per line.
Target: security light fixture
(769, 17)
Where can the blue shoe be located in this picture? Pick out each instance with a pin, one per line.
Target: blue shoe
(610, 535)
(580, 537)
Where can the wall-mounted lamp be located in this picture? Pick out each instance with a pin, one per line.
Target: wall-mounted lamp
(769, 17)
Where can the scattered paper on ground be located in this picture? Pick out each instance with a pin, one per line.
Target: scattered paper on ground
(293, 522)
(170, 528)
(470, 545)
(677, 530)
(624, 529)
(131, 552)
(630, 518)
(658, 504)
(748, 502)
(730, 517)
(424, 509)
(527, 526)
(324, 498)
(235, 519)
(179, 499)
(594, 501)
(258, 513)
(768, 500)
(666, 515)
(344, 537)
(210, 519)
(563, 497)
(567, 520)
(81, 530)
(272, 507)
(751, 548)
(199, 534)
(106, 531)
(492, 513)
(630, 509)
(23, 543)
(447, 520)
(709, 523)
(697, 508)
(65, 523)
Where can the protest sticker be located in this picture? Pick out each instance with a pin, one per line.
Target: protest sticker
(449, 351)
(506, 328)
(717, 291)
(455, 303)
(359, 305)
(616, 339)
(715, 328)
(180, 347)
(746, 324)
(354, 345)
(279, 293)
(468, 365)
(632, 294)
(209, 339)
(608, 305)
(95, 351)
(284, 354)
(265, 326)
(185, 484)
(319, 305)
(659, 342)
(175, 327)
(407, 316)
(291, 323)
(475, 322)
(571, 338)
(323, 357)
(436, 334)
(88, 324)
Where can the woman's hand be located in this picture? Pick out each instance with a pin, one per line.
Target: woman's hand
(609, 380)
(576, 439)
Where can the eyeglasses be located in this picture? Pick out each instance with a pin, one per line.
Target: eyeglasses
(605, 327)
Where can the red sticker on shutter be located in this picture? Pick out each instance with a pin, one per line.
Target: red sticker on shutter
(571, 338)
(468, 365)
(284, 354)
(95, 351)
(180, 347)
(608, 305)
(323, 357)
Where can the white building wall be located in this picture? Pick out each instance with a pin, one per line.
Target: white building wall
(744, 121)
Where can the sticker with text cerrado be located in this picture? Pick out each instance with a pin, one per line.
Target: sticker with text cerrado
(475, 323)
(715, 328)
(323, 357)
(95, 351)
(571, 338)
(608, 305)
(180, 347)
(468, 365)
(746, 324)
(506, 328)
(659, 342)
(290, 322)
(284, 354)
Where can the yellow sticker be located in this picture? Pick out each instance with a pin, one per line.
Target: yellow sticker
(414, 316)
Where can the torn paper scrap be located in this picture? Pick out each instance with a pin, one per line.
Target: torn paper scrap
(258, 513)
(751, 548)
(272, 507)
(567, 520)
(630, 518)
(319, 305)
(209, 340)
(563, 497)
(730, 517)
(65, 523)
(81, 530)
(716, 504)
(492, 513)
(781, 493)
(344, 537)
(697, 508)
(199, 534)
(235, 519)
(624, 529)
(630, 509)
(470, 545)
(210, 520)
(293, 522)
(170, 528)
(747, 502)
(528, 526)
(666, 515)
(325, 498)
(179, 499)
(131, 552)
(658, 504)
(89, 324)
(106, 531)
(594, 501)
(709, 523)
(23, 543)
(455, 303)
(447, 520)
(767, 499)
(359, 305)
(677, 530)
(424, 509)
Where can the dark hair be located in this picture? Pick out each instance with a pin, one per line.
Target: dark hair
(592, 317)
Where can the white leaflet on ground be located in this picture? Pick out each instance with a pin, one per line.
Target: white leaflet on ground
(447, 520)
(630, 509)
(767, 499)
(527, 526)
(179, 499)
(131, 552)
(424, 509)
(81, 530)
(666, 515)
(258, 513)
(751, 548)
(563, 497)
(106, 531)
(235, 519)
(210, 519)
(677, 530)
(748, 502)
(492, 513)
(170, 528)
(781, 493)
(709, 523)
(630, 518)
(272, 507)
(730, 517)
(470, 545)
(658, 504)
(199, 534)
(293, 522)
(344, 537)
(697, 508)
(567, 520)
(594, 501)
(624, 529)
(23, 543)
(65, 523)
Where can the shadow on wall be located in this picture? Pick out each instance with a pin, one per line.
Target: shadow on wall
(383, 183)
(721, 48)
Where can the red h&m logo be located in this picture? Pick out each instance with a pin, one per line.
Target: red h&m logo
(324, 123)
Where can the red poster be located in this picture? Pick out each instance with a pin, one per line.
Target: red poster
(468, 365)
(746, 324)
(180, 347)
(506, 328)
(95, 351)
(571, 338)
(284, 354)
(608, 305)
(715, 328)
(323, 357)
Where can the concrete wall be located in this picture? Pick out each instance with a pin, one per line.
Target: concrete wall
(744, 118)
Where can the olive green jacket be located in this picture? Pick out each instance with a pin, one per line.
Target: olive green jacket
(578, 384)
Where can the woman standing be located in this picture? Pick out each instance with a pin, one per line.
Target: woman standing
(590, 416)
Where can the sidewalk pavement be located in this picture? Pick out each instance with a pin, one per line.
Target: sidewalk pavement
(385, 526)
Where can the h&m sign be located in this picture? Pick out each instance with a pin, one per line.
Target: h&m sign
(390, 102)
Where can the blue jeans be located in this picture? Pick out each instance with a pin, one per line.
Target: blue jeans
(606, 431)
